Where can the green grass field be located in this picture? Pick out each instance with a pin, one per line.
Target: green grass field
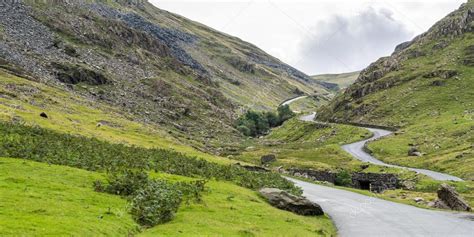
(40, 199)
(307, 145)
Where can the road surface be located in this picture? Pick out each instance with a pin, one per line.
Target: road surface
(357, 151)
(359, 215)
(287, 102)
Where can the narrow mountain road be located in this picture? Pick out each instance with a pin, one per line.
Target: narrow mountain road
(357, 151)
(359, 215)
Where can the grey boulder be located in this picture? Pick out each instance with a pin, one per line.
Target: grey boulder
(290, 202)
(451, 198)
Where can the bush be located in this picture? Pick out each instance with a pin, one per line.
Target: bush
(343, 178)
(155, 203)
(255, 123)
(42, 145)
(285, 113)
(126, 183)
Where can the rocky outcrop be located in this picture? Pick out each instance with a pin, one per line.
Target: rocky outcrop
(451, 198)
(289, 202)
(267, 159)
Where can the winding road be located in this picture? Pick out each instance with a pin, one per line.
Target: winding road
(357, 151)
(359, 215)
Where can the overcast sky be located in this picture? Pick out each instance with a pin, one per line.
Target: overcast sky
(318, 36)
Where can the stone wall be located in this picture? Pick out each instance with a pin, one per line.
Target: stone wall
(315, 175)
(374, 182)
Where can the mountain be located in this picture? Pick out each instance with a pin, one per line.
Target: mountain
(342, 80)
(153, 66)
(425, 89)
(106, 108)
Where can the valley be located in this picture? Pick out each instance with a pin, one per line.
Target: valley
(120, 118)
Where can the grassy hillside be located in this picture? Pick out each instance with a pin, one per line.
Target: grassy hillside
(306, 145)
(153, 66)
(40, 199)
(342, 80)
(426, 89)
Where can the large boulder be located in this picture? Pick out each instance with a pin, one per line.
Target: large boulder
(289, 202)
(266, 159)
(451, 198)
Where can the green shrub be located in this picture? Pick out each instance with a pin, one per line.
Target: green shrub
(126, 183)
(155, 203)
(42, 145)
(256, 123)
(343, 178)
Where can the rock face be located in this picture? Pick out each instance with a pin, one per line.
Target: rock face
(289, 202)
(451, 198)
(266, 159)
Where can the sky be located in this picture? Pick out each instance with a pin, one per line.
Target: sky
(318, 36)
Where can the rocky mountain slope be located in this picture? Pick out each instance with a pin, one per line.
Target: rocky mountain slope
(425, 88)
(156, 67)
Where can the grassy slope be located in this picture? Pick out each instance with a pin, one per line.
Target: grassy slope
(436, 119)
(304, 144)
(73, 114)
(76, 115)
(343, 80)
(233, 211)
(58, 200)
(40, 199)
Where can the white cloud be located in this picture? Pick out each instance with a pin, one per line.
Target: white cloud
(346, 43)
(283, 27)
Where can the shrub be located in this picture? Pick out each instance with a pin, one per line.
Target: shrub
(47, 146)
(343, 178)
(255, 123)
(126, 183)
(285, 113)
(155, 203)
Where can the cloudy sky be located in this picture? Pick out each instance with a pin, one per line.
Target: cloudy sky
(318, 36)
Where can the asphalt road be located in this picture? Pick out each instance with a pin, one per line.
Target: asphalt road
(357, 151)
(359, 215)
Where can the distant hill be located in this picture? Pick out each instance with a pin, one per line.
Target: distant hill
(342, 80)
(425, 88)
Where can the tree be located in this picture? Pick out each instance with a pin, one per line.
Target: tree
(284, 113)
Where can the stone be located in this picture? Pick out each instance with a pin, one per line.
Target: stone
(418, 199)
(413, 151)
(438, 83)
(438, 204)
(408, 185)
(451, 198)
(289, 202)
(44, 115)
(266, 159)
